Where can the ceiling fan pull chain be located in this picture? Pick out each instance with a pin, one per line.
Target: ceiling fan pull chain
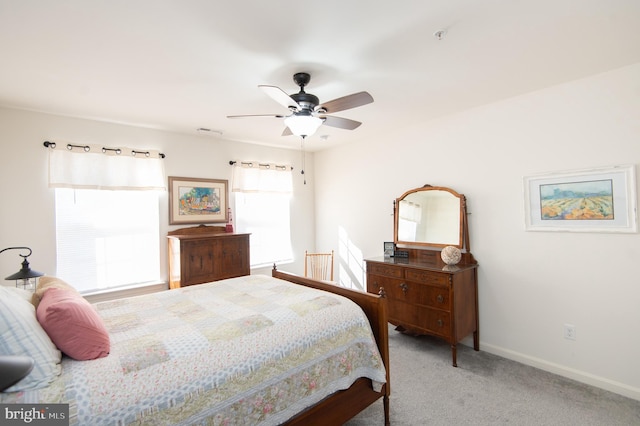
(304, 178)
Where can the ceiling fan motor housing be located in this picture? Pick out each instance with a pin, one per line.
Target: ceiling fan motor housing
(306, 100)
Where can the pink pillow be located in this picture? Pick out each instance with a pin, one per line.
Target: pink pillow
(73, 324)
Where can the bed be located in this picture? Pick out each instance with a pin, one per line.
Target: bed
(250, 350)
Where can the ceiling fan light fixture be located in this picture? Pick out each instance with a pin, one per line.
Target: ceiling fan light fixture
(303, 125)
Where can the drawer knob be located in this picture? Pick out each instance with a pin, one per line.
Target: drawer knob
(440, 323)
(404, 287)
(440, 298)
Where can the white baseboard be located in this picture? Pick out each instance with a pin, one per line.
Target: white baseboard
(564, 371)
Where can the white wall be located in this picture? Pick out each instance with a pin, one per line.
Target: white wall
(530, 283)
(27, 210)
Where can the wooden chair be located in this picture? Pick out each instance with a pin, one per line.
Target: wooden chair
(318, 265)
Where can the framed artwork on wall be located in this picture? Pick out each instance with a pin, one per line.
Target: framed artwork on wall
(592, 200)
(193, 200)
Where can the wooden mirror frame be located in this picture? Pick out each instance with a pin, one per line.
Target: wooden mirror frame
(462, 232)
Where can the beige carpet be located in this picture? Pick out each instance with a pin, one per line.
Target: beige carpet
(486, 390)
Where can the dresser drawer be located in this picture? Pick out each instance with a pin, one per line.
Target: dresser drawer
(427, 277)
(435, 297)
(437, 322)
(386, 270)
(375, 282)
(420, 320)
(418, 294)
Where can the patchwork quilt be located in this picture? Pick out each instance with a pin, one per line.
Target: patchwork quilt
(244, 351)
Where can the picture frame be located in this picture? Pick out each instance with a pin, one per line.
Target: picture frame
(198, 201)
(589, 200)
(389, 248)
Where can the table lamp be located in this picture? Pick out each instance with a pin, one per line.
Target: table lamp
(25, 278)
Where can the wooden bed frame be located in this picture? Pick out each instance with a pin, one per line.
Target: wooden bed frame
(343, 405)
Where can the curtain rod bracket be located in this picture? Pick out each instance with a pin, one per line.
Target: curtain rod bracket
(116, 150)
(86, 148)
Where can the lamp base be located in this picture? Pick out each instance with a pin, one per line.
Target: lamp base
(13, 369)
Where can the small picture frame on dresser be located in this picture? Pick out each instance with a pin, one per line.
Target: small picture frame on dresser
(389, 248)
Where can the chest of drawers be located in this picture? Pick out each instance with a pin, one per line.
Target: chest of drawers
(201, 258)
(425, 298)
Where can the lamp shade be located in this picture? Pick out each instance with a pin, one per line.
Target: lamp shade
(303, 125)
(24, 273)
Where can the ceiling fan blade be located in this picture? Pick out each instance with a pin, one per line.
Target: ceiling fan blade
(257, 115)
(280, 96)
(341, 123)
(347, 102)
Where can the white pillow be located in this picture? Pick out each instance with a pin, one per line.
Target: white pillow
(20, 292)
(21, 334)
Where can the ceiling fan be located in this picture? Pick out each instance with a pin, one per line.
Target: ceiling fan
(307, 114)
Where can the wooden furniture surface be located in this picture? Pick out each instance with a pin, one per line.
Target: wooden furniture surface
(206, 253)
(428, 297)
(425, 295)
(343, 405)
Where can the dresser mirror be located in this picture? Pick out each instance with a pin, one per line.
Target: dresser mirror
(431, 216)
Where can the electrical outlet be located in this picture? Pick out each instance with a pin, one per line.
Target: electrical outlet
(570, 331)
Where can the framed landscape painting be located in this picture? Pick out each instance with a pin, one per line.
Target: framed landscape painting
(193, 200)
(594, 200)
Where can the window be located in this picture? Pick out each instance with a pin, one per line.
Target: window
(262, 197)
(107, 239)
(266, 217)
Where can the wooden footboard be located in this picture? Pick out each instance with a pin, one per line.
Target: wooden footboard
(343, 405)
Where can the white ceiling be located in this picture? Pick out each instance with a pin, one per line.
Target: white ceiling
(187, 64)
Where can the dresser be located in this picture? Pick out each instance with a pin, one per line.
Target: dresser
(199, 255)
(424, 298)
(428, 274)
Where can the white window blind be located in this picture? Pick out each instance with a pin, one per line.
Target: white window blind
(107, 239)
(262, 207)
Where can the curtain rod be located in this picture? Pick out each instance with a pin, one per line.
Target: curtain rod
(250, 164)
(87, 148)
